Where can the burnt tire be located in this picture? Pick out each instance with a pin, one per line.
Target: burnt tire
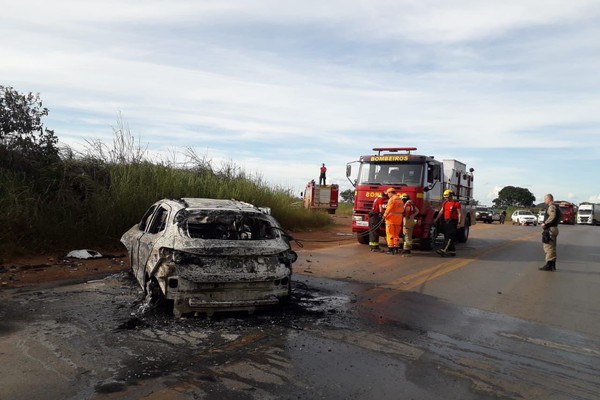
(156, 298)
(153, 292)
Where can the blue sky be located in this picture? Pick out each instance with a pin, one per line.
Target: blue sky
(278, 87)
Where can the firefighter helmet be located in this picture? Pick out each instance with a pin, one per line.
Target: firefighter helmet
(448, 193)
(389, 191)
(405, 196)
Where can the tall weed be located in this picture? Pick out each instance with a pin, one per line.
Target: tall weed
(91, 199)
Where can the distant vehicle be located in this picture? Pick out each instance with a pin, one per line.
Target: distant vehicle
(495, 216)
(569, 212)
(588, 213)
(523, 217)
(541, 216)
(321, 197)
(206, 255)
(486, 214)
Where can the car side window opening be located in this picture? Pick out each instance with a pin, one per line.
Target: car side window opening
(146, 218)
(159, 221)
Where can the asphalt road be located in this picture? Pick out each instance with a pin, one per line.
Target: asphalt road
(483, 325)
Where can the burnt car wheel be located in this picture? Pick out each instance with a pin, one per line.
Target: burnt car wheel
(153, 291)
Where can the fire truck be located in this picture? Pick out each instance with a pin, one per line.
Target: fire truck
(323, 197)
(569, 212)
(423, 178)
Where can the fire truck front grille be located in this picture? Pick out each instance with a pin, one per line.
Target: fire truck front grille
(366, 205)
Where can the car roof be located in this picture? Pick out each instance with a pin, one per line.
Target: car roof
(221, 204)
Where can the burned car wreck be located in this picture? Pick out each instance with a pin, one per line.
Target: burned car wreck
(206, 255)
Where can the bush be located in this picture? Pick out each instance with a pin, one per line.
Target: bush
(90, 200)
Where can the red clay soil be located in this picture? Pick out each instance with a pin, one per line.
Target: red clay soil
(38, 269)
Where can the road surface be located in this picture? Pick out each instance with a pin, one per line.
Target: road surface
(483, 325)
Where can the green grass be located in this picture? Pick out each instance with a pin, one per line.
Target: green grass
(90, 200)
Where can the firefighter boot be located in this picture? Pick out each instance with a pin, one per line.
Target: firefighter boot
(553, 265)
(375, 249)
(546, 267)
(392, 250)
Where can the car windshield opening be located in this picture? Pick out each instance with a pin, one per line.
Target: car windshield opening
(220, 225)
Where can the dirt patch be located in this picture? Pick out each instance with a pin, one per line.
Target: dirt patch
(39, 269)
(45, 268)
(336, 234)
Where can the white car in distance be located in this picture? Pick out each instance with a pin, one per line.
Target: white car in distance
(523, 217)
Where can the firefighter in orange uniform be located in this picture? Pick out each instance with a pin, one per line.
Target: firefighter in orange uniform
(393, 221)
(408, 224)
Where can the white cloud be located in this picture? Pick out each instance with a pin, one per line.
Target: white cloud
(326, 80)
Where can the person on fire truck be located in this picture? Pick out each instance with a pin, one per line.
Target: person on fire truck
(375, 220)
(451, 216)
(322, 177)
(408, 223)
(393, 221)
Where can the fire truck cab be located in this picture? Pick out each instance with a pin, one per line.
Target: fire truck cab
(423, 178)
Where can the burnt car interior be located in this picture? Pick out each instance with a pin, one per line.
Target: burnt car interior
(227, 226)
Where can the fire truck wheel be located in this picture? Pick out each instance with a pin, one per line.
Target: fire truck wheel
(362, 238)
(463, 233)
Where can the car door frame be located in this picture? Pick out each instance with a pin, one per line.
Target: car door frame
(153, 231)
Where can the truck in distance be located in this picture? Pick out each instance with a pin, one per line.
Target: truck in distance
(588, 213)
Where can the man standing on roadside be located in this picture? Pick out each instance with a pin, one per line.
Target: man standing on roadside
(451, 216)
(550, 233)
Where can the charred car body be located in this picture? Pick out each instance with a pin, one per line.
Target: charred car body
(206, 255)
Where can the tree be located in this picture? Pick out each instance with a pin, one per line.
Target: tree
(22, 134)
(514, 196)
(347, 196)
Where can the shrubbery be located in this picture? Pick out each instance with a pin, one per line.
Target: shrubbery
(60, 200)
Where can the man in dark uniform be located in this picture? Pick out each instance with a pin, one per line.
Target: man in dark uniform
(375, 220)
(550, 233)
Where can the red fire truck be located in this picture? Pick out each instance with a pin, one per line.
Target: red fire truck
(423, 178)
(323, 197)
(568, 210)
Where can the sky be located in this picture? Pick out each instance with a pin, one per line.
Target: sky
(276, 87)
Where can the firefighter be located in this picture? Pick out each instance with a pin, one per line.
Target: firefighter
(322, 175)
(451, 216)
(375, 220)
(408, 222)
(393, 221)
(550, 233)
